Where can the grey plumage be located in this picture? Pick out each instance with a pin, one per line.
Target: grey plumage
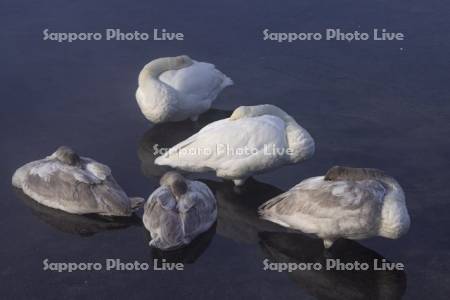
(68, 156)
(338, 173)
(175, 182)
(74, 184)
(346, 202)
(178, 211)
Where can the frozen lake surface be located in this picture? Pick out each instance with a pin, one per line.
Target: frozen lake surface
(366, 103)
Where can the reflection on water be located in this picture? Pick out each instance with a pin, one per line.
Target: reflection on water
(187, 254)
(83, 225)
(369, 103)
(169, 134)
(332, 284)
(237, 209)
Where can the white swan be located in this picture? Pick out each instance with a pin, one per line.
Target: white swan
(74, 184)
(352, 203)
(178, 211)
(253, 140)
(177, 88)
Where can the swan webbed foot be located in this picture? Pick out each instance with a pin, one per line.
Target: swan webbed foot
(239, 182)
(327, 243)
(327, 251)
(194, 118)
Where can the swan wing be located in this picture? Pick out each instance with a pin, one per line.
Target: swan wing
(190, 213)
(206, 197)
(197, 209)
(200, 81)
(328, 207)
(199, 197)
(61, 187)
(229, 147)
(163, 198)
(161, 217)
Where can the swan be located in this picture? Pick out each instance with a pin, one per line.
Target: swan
(353, 203)
(177, 88)
(165, 135)
(178, 211)
(74, 184)
(252, 140)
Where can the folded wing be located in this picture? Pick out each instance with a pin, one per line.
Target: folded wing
(323, 207)
(229, 145)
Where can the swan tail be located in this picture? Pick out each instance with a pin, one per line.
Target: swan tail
(20, 174)
(226, 82)
(265, 210)
(161, 161)
(136, 202)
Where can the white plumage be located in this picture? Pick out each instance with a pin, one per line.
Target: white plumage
(253, 140)
(346, 202)
(177, 88)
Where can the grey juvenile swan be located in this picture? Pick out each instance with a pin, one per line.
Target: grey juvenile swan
(178, 211)
(74, 184)
(353, 203)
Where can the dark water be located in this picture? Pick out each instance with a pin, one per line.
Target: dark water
(366, 104)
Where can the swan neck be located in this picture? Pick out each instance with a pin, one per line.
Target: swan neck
(155, 68)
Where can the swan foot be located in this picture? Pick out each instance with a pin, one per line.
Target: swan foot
(328, 243)
(194, 118)
(239, 182)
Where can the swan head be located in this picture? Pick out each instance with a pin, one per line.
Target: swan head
(259, 110)
(181, 61)
(240, 112)
(170, 63)
(337, 173)
(175, 182)
(395, 220)
(67, 156)
(99, 170)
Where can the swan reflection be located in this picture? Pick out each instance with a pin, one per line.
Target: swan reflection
(333, 284)
(237, 207)
(187, 254)
(83, 225)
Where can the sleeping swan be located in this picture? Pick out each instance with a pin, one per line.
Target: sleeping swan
(253, 140)
(177, 88)
(352, 203)
(74, 184)
(178, 211)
